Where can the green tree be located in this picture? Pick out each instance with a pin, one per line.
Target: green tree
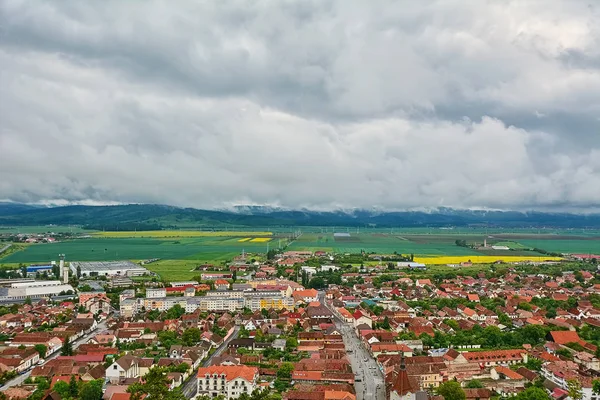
(62, 388)
(191, 336)
(596, 386)
(533, 393)
(155, 386)
(41, 349)
(91, 390)
(474, 384)
(175, 312)
(317, 283)
(451, 390)
(574, 389)
(534, 364)
(285, 371)
(73, 388)
(28, 301)
(386, 324)
(67, 347)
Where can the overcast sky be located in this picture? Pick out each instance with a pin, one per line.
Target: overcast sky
(319, 104)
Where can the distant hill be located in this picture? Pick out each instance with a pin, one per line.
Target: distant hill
(149, 217)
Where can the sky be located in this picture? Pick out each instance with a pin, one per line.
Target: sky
(302, 104)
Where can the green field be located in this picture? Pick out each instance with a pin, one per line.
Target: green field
(99, 249)
(565, 245)
(180, 255)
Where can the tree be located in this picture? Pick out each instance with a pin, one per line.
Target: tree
(191, 336)
(474, 384)
(41, 349)
(534, 364)
(532, 393)
(155, 386)
(317, 283)
(574, 389)
(596, 386)
(78, 272)
(67, 347)
(386, 324)
(451, 390)
(28, 300)
(73, 388)
(62, 388)
(175, 312)
(91, 390)
(285, 371)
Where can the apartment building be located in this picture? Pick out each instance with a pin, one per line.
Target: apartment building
(227, 380)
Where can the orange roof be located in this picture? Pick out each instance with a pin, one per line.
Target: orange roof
(338, 395)
(221, 282)
(307, 375)
(345, 313)
(509, 373)
(231, 372)
(306, 293)
(494, 355)
(564, 337)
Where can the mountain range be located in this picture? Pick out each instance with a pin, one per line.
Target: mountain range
(152, 216)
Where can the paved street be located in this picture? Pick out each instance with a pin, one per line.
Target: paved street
(190, 386)
(369, 382)
(84, 339)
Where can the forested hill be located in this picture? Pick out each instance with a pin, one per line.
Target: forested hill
(148, 216)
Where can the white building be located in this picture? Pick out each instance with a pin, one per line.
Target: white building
(153, 293)
(230, 381)
(326, 268)
(34, 290)
(107, 268)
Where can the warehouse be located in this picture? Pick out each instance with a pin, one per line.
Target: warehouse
(18, 292)
(107, 268)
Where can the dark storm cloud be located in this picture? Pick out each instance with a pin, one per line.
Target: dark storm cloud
(317, 104)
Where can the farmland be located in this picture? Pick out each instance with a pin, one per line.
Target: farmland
(179, 234)
(480, 259)
(180, 250)
(202, 249)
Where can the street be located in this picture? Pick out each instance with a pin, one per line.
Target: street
(84, 339)
(190, 386)
(369, 382)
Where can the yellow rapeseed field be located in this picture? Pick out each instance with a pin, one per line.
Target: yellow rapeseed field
(244, 239)
(181, 234)
(480, 259)
(260, 240)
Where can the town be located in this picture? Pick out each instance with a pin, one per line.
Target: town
(297, 325)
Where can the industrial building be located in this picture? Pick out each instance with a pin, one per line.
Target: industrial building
(36, 290)
(108, 268)
(32, 270)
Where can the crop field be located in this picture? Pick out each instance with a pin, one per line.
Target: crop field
(480, 259)
(179, 234)
(180, 251)
(99, 249)
(377, 243)
(586, 246)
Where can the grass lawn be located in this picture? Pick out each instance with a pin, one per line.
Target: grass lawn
(176, 270)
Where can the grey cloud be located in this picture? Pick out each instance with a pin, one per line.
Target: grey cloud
(317, 104)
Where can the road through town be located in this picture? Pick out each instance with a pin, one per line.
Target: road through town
(190, 386)
(369, 382)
